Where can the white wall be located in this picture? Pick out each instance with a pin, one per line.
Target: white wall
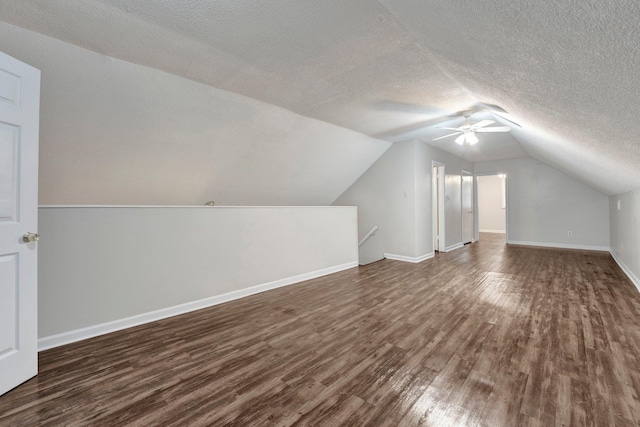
(625, 232)
(454, 166)
(544, 204)
(424, 213)
(380, 196)
(101, 264)
(491, 214)
(113, 132)
(395, 194)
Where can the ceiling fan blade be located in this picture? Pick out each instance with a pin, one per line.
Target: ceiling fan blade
(458, 129)
(510, 121)
(490, 107)
(446, 136)
(412, 127)
(482, 123)
(494, 109)
(494, 129)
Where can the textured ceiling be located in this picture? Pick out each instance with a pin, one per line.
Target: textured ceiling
(566, 71)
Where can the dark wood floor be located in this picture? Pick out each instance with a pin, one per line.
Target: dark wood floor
(488, 335)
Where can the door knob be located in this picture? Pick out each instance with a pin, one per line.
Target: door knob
(30, 237)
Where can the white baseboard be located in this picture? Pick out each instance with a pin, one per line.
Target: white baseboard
(414, 260)
(128, 322)
(626, 270)
(453, 247)
(559, 245)
(492, 231)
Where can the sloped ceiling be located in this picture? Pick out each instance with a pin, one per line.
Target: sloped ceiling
(566, 71)
(117, 133)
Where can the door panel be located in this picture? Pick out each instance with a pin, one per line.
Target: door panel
(8, 304)
(10, 85)
(9, 148)
(19, 117)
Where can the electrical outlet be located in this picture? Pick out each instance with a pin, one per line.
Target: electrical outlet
(570, 233)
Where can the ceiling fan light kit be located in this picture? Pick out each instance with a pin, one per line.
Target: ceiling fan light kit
(468, 137)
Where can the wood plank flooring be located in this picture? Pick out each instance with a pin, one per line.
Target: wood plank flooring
(487, 335)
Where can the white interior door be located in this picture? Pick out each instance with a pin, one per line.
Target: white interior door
(19, 123)
(467, 207)
(435, 210)
(437, 203)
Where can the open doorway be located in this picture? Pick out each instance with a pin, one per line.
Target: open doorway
(491, 202)
(437, 198)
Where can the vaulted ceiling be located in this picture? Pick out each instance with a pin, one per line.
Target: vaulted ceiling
(396, 69)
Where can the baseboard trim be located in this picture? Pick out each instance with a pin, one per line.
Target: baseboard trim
(414, 260)
(634, 279)
(492, 231)
(454, 247)
(559, 245)
(69, 337)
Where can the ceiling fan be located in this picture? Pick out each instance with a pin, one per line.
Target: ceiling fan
(479, 107)
(467, 132)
